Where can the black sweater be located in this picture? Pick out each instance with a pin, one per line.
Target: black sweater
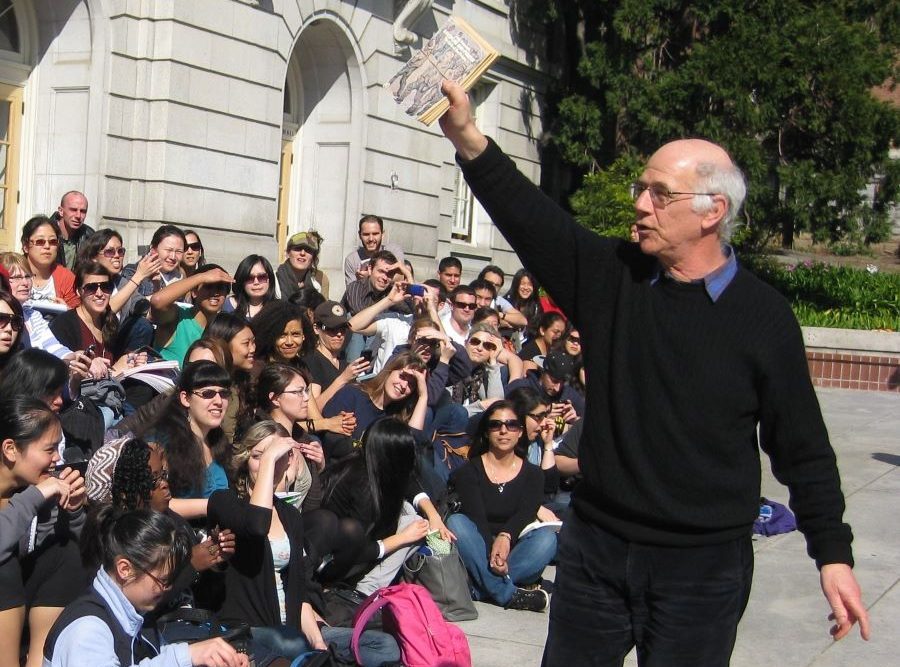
(250, 595)
(678, 384)
(493, 511)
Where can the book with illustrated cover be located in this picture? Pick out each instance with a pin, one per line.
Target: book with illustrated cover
(455, 52)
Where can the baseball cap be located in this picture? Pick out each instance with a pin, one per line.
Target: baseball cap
(330, 314)
(559, 365)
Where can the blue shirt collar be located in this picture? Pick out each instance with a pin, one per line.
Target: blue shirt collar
(716, 281)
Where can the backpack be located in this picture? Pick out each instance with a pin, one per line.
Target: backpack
(451, 451)
(413, 619)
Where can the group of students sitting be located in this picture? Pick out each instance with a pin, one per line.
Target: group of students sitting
(283, 467)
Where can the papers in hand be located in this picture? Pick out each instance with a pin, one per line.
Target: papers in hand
(534, 525)
(456, 52)
(160, 375)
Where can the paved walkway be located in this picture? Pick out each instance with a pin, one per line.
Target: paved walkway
(785, 623)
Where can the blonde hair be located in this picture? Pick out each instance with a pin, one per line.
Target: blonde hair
(241, 453)
(14, 259)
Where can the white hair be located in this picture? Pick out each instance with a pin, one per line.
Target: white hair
(727, 181)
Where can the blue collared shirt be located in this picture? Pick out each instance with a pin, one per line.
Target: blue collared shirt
(716, 281)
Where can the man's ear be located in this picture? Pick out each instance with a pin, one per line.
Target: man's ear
(716, 214)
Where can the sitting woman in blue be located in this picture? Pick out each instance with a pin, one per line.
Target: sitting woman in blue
(142, 553)
(500, 494)
(189, 428)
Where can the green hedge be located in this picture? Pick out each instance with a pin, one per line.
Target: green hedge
(834, 296)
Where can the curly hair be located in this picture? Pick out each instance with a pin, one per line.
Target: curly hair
(132, 481)
(269, 324)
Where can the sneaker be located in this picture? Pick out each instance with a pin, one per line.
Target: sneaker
(536, 600)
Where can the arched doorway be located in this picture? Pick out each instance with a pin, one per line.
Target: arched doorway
(322, 138)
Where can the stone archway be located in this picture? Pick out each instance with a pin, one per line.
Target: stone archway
(322, 135)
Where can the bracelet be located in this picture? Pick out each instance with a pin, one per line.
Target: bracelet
(133, 283)
(506, 535)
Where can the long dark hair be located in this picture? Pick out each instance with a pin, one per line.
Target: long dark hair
(374, 388)
(480, 442)
(33, 373)
(16, 307)
(171, 429)
(132, 481)
(388, 457)
(109, 323)
(242, 275)
(224, 327)
(269, 323)
(530, 307)
(94, 245)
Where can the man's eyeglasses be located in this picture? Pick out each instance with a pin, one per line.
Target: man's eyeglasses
(161, 476)
(40, 243)
(258, 278)
(660, 195)
(196, 246)
(480, 342)
(14, 321)
(496, 425)
(209, 394)
(539, 416)
(109, 253)
(105, 286)
(465, 306)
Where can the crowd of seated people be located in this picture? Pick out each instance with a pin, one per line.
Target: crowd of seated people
(291, 450)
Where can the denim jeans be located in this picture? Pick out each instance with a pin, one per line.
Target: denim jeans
(679, 606)
(375, 647)
(526, 561)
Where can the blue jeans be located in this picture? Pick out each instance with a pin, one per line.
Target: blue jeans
(679, 606)
(526, 561)
(375, 648)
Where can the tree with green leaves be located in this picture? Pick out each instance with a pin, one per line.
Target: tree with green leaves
(785, 85)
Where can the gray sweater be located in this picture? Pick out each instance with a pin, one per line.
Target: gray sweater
(16, 518)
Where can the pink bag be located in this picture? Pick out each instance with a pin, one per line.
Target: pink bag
(413, 619)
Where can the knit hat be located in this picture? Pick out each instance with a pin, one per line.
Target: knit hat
(101, 468)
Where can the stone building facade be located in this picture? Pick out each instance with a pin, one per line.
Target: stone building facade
(247, 120)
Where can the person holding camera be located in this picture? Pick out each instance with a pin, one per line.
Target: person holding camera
(142, 554)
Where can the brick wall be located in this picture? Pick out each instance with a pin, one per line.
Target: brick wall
(870, 372)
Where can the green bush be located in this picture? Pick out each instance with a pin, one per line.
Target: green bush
(834, 296)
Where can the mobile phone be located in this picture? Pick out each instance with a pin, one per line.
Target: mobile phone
(367, 355)
(416, 290)
(149, 351)
(80, 466)
(91, 350)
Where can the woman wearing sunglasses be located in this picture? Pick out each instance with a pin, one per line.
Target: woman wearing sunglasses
(188, 426)
(253, 288)
(92, 326)
(106, 248)
(51, 281)
(11, 324)
(193, 253)
(142, 552)
(500, 493)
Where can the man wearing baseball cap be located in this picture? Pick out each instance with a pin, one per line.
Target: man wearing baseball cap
(552, 385)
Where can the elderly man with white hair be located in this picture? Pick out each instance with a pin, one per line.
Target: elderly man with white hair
(693, 366)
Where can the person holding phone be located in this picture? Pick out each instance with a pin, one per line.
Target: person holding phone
(41, 516)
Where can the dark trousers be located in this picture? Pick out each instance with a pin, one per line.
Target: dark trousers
(678, 606)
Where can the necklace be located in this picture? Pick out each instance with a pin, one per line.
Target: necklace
(502, 485)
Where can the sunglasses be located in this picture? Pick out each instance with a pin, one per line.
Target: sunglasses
(334, 331)
(495, 425)
(40, 243)
(109, 253)
(258, 278)
(480, 342)
(196, 246)
(209, 394)
(105, 286)
(216, 289)
(14, 321)
(539, 416)
(428, 342)
(465, 306)
(302, 248)
(161, 476)
(575, 339)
